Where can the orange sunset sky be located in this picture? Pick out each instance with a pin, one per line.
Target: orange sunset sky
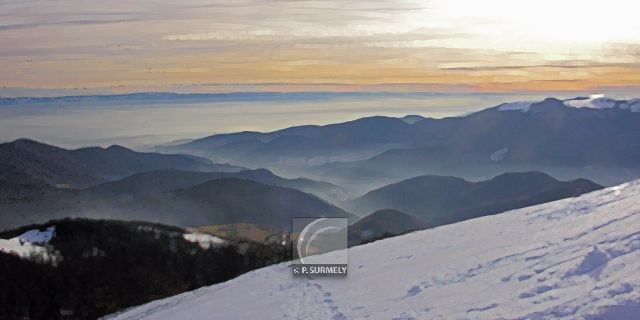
(407, 46)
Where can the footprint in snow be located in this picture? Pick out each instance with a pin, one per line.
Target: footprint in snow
(491, 306)
(413, 291)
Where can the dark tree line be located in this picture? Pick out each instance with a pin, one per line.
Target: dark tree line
(110, 265)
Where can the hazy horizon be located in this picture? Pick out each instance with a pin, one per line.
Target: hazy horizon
(475, 54)
(138, 124)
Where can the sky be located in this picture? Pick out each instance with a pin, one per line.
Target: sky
(77, 46)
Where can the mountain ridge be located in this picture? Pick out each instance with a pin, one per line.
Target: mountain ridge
(566, 138)
(217, 201)
(442, 200)
(28, 161)
(563, 141)
(383, 223)
(171, 179)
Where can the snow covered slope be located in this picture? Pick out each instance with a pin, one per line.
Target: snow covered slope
(576, 258)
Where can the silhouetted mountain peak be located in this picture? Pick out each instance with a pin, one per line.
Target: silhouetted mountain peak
(29, 161)
(117, 147)
(548, 104)
(29, 143)
(525, 177)
(261, 172)
(390, 217)
(26, 141)
(412, 118)
(383, 223)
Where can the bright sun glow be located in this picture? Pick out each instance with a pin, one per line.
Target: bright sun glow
(550, 21)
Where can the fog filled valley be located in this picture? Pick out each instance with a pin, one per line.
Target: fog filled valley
(534, 198)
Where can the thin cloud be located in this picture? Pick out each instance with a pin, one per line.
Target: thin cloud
(20, 26)
(568, 64)
(442, 43)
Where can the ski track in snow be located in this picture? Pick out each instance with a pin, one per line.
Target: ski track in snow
(576, 258)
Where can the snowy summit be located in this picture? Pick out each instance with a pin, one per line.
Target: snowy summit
(573, 258)
(594, 101)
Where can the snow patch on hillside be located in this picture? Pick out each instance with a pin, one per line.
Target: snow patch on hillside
(569, 259)
(599, 101)
(594, 101)
(28, 244)
(38, 237)
(205, 241)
